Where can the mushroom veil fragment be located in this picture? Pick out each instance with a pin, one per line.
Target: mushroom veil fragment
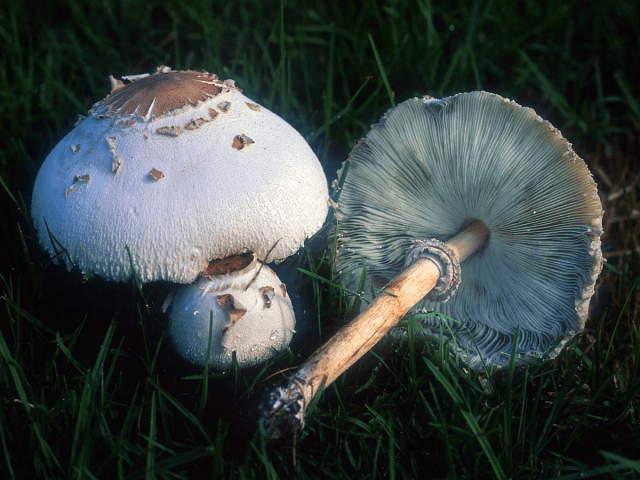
(473, 211)
(171, 171)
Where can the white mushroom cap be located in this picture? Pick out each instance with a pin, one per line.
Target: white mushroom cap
(429, 168)
(178, 168)
(249, 311)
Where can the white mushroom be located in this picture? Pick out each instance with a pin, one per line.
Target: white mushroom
(177, 181)
(241, 305)
(171, 171)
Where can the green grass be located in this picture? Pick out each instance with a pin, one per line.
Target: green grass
(89, 385)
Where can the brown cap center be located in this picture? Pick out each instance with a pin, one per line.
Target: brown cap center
(162, 93)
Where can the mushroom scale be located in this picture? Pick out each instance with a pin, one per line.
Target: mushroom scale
(154, 178)
(249, 312)
(429, 168)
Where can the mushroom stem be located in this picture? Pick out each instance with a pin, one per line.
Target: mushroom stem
(468, 240)
(360, 335)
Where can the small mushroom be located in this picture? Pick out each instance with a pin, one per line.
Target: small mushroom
(167, 192)
(472, 190)
(241, 311)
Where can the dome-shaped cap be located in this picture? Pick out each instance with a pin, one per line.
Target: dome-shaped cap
(179, 168)
(246, 311)
(432, 166)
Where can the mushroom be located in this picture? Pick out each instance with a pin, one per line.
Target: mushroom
(239, 301)
(472, 191)
(171, 171)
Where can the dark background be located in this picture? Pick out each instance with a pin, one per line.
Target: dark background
(330, 69)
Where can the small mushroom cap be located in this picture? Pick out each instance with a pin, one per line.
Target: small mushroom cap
(172, 170)
(429, 168)
(250, 314)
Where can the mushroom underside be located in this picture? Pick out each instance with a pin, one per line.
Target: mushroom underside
(426, 170)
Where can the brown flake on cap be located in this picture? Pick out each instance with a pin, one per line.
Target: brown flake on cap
(241, 141)
(154, 96)
(224, 106)
(124, 123)
(228, 303)
(195, 123)
(233, 263)
(76, 180)
(169, 131)
(156, 174)
(253, 106)
(116, 160)
(116, 84)
(267, 294)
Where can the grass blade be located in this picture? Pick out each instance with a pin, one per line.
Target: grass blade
(473, 424)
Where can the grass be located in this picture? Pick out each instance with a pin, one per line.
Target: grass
(89, 385)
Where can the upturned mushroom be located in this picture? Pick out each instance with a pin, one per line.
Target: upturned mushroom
(496, 220)
(174, 171)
